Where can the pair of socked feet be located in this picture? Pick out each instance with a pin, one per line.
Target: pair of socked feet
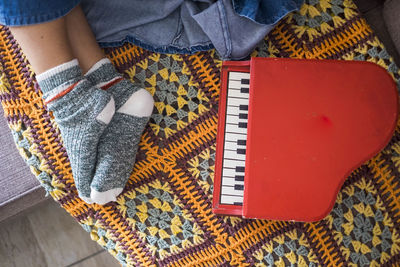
(101, 117)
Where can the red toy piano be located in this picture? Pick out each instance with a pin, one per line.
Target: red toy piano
(290, 132)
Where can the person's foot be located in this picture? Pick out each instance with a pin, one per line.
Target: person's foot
(82, 113)
(119, 142)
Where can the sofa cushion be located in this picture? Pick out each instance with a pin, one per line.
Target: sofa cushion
(367, 5)
(19, 189)
(372, 11)
(391, 15)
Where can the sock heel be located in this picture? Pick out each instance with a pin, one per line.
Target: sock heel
(139, 104)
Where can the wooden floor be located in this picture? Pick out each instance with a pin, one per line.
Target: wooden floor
(48, 236)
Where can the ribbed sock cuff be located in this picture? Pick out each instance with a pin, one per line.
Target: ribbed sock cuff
(54, 77)
(102, 73)
(98, 65)
(64, 87)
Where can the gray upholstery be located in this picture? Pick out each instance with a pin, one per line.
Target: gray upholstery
(367, 5)
(391, 14)
(19, 189)
(379, 20)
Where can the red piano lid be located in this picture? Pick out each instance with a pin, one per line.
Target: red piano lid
(311, 123)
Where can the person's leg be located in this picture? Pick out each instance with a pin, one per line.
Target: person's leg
(119, 142)
(45, 45)
(81, 111)
(83, 42)
(52, 43)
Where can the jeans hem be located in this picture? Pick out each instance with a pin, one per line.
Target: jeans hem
(165, 49)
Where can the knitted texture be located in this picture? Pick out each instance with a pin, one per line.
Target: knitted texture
(76, 105)
(163, 217)
(105, 76)
(119, 143)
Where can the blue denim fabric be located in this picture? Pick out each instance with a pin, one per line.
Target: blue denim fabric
(265, 11)
(232, 27)
(186, 26)
(26, 12)
(158, 25)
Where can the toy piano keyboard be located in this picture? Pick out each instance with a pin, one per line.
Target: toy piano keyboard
(291, 131)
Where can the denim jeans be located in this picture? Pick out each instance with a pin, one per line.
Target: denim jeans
(232, 27)
(265, 12)
(26, 12)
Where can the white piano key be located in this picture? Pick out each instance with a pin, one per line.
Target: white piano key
(237, 101)
(231, 181)
(230, 145)
(234, 128)
(228, 173)
(236, 85)
(238, 93)
(228, 163)
(235, 153)
(232, 154)
(235, 137)
(230, 190)
(231, 199)
(234, 110)
(233, 75)
(234, 119)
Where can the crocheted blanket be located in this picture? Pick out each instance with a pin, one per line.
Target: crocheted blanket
(163, 217)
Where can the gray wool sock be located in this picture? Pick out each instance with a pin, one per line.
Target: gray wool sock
(119, 143)
(82, 113)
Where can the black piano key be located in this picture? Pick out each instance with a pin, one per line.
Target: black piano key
(244, 90)
(245, 81)
(242, 116)
(244, 107)
(239, 169)
(239, 178)
(242, 124)
(241, 151)
(241, 142)
(239, 187)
